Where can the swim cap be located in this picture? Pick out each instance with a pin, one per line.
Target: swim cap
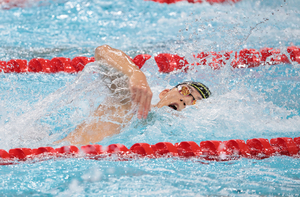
(200, 87)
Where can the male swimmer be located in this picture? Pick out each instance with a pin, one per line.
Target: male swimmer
(129, 91)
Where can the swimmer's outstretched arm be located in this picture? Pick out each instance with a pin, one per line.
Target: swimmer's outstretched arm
(93, 131)
(140, 90)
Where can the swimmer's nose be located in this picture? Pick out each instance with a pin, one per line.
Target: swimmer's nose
(183, 102)
(187, 100)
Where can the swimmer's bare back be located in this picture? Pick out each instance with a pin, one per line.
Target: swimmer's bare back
(116, 115)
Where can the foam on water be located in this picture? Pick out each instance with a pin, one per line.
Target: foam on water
(238, 109)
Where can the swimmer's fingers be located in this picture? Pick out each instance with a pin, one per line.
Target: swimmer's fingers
(147, 104)
(135, 94)
(135, 86)
(140, 93)
(141, 108)
(144, 102)
(140, 101)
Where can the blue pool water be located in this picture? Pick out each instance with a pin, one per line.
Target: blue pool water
(37, 109)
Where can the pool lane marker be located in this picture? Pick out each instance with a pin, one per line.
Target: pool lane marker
(246, 58)
(166, 62)
(56, 64)
(212, 150)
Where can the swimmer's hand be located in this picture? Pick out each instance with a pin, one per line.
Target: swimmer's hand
(140, 90)
(141, 93)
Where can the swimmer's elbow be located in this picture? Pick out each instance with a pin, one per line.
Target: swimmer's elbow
(100, 51)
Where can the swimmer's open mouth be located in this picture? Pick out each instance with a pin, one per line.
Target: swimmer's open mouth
(173, 106)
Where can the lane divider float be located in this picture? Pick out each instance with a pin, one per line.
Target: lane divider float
(57, 64)
(166, 62)
(246, 58)
(257, 148)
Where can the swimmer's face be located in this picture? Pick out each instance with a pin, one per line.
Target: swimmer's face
(177, 98)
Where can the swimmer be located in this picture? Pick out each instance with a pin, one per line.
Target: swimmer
(130, 91)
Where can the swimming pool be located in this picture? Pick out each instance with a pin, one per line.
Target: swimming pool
(246, 103)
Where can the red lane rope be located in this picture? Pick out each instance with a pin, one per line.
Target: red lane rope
(57, 64)
(257, 148)
(249, 58)
(246, 58)
(196, 1)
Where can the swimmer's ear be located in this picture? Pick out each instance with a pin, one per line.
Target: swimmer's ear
(163, 93)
